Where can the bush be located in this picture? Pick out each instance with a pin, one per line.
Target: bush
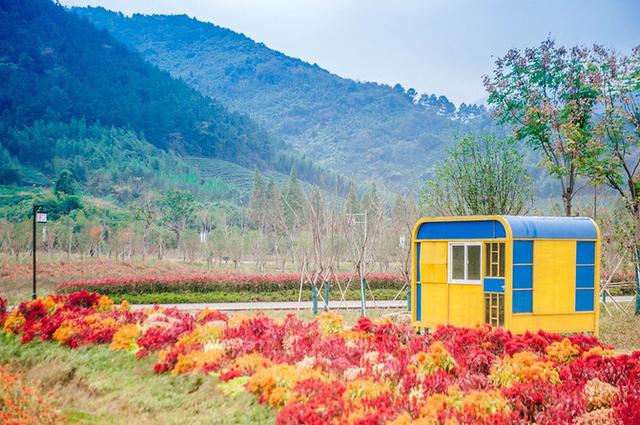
(225, 282)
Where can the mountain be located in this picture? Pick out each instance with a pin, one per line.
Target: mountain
(67, 86)
(360, 129)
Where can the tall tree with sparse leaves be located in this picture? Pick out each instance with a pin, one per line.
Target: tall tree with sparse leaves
(547, 94)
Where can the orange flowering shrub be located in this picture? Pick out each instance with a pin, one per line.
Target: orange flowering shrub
(197, 361)
(125, 338)
(22, 405)
(523, 366)
(478, 405)
(598, 352)
(14, 321)
(562, 351)
(275, 383)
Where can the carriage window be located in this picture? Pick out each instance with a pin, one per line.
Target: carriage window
(465, 262)
(494, 259)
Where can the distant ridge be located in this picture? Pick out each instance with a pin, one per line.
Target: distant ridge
(361, 130)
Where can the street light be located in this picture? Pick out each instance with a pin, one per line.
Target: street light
(39, 216)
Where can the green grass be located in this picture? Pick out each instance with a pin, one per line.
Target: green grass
(99, 386)
(246, 296)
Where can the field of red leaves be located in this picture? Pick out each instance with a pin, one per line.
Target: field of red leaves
(321, 372)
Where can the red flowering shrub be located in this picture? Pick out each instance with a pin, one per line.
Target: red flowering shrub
(376, 372)
(3, 309)
(211, 282)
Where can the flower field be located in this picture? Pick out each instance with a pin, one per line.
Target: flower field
(320, 372)
(212, 282)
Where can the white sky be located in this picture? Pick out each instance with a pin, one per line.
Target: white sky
(434, 46)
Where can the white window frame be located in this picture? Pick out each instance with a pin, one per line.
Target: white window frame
(465, 281)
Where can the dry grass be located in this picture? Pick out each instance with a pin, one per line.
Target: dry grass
(99, 386)
(620, 330)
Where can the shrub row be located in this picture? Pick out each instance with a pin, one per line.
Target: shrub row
(226, 282)
(185, 297)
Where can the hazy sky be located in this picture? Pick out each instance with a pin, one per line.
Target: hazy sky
(435, 46)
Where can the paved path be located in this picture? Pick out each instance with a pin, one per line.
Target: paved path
(286, 305)
(306, 305)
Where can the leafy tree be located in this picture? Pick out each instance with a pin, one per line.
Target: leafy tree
(258, 201)
(65, 184)
(618, 128)
(178, 211)
(293, 200)
(548, 93)
(483, 175)
(618, 133)
(10, 172)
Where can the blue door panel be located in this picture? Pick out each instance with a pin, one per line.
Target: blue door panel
(584, 277)
(494, 284)
(522, 301)
(585, 252)
(584, 300)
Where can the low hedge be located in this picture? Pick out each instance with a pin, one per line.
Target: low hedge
(215, 282)
(244, 296)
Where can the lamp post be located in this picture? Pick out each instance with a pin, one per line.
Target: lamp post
(39, 216)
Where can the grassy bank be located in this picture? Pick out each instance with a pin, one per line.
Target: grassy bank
(99, 386)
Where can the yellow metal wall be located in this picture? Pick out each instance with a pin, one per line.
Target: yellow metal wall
(433, 273)
(433, 262)
(466, 305)
(554, 277)
(442, 303)
(561, 323)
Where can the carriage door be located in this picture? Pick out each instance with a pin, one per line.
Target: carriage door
(494, 283)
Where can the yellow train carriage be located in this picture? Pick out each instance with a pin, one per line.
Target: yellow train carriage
(521, 273)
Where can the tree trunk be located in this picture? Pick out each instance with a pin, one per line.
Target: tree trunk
(566, 200)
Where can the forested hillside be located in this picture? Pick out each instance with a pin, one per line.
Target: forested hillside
(66, 87)
(365, 130)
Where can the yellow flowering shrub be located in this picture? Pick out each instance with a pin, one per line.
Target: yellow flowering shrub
(248, 364)
(405, 419)
(355, 336)
(275, 383)
(438, 358)
(599, 351)
(105, 304)
(204, 334)
(360, 389)
(13, 321)
(49, 304)
(64, 332)
(238, 319)
(524, 366)
(330, 323)
(562, 351)
(480, 404)
(125, 338)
